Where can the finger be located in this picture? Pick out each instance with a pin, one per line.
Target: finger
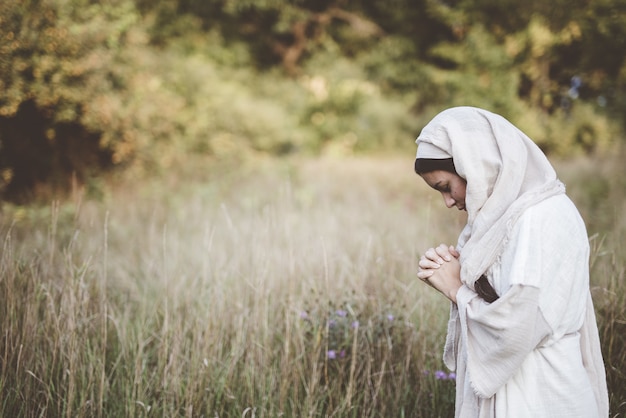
(431, 262)
(444, 252)
(424, 274)
(425, 263)
(431, 254)
(454, 252)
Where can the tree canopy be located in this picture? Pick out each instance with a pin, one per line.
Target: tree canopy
(135, 84)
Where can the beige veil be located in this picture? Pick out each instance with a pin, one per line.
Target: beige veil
(505, 172)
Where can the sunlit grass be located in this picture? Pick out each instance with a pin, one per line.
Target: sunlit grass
(286, 289)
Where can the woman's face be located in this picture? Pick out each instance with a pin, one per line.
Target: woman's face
(450, 185)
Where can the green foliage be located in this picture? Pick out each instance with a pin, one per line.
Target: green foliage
(482, 74)
(347, 113)
(554, 41)
(61, 60)
(580, 130)
(391, 64)
(486, 74)
(86, 87)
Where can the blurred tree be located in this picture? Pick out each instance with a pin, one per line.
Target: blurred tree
(551, 41)
(597, 57)
(62, 63)
(557, 40)
(533, 49)
(88, 85)
(277, 31)
(481, 73)
(511, 74)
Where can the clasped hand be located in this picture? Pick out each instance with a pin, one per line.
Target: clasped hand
(440, 268)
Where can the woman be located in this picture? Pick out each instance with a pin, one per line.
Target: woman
(522, 335)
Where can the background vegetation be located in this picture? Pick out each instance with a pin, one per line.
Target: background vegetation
(204, 212)
(86, 87)
(224, 299)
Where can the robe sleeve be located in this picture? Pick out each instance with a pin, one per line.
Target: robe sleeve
(592, 359)
(499, 335)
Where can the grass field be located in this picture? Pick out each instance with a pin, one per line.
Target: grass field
(283, 288)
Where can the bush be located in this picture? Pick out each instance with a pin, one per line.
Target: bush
(63, 78)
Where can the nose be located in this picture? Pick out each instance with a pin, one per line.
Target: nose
(449, 201)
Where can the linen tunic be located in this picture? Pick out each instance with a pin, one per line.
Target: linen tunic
(522, 355)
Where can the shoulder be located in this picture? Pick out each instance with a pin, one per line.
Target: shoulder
(552, 204)
(553, 213)
(551, 230)
(553, 225)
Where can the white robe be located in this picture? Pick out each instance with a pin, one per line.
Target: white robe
(523, 355)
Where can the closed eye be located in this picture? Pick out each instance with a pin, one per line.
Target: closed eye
(442, 186)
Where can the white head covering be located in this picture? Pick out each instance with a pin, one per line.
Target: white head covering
(430, 151)
(505, 172)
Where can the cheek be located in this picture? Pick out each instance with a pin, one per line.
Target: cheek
(460, 193)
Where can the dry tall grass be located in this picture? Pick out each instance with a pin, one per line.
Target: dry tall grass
(284, 290)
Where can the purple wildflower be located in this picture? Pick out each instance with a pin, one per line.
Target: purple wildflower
(341, 313)
(304, 315)
(355, 324)
(440, 375)
(452, 376)
(342, 353)
(390, 317)
(331, 354)
(331, 323)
